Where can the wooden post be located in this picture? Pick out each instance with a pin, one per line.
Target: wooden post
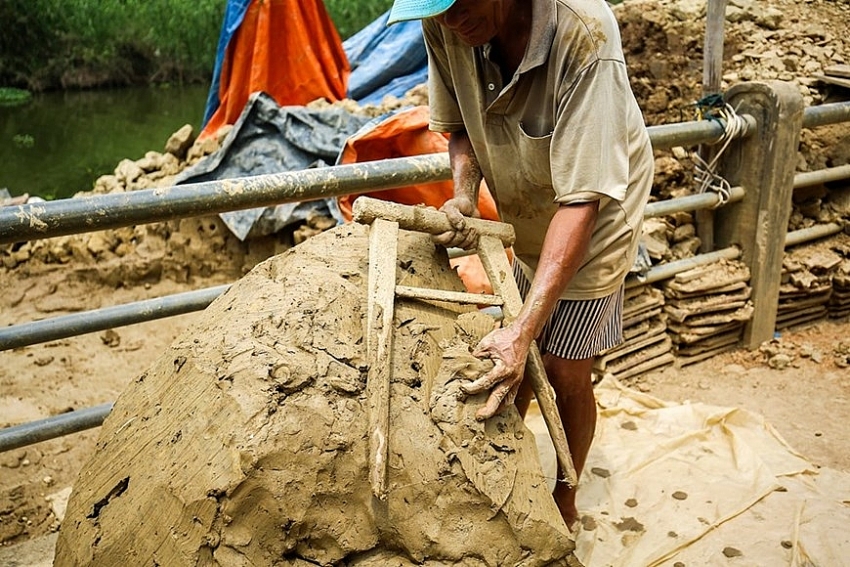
(763, 163)
(383, 251)
(712, 74)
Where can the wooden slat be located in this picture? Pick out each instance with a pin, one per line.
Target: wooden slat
(443, 295)
(495, 262)
(383, 252)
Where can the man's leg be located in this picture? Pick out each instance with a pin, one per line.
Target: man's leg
(571, 380)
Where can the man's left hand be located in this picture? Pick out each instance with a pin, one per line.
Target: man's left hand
(508, 351)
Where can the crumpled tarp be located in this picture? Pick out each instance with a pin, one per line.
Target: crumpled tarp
(269, 138)
(385, 60)
(692, 484)
(288, 49)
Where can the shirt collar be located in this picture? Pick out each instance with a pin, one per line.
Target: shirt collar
(542, 34)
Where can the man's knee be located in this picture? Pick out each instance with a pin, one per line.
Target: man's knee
(568, 377)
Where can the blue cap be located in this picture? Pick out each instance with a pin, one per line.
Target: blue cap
(403, 10)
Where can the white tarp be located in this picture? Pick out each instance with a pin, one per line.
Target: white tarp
(691, 484)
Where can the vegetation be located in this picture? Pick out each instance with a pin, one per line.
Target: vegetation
(351, 16)
(14, 97)
(66, 44)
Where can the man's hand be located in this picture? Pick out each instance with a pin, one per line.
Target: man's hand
(508, 350)
(463, 236)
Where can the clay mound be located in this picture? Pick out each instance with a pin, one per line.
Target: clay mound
(246, 442)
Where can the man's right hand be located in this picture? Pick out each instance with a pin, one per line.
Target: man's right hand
(463, 236)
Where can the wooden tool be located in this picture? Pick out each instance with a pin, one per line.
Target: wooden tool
(386, 219)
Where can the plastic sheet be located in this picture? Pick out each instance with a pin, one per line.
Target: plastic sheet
(691, 484)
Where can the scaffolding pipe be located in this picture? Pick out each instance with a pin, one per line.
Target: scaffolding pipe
(27, 334)
(667, 136)
(100, 212)
(810, 178)
(667, 271)
(115, 210)
(52, 427)
(692, 203)
(815, 232)
(824, 114)
(107, 318)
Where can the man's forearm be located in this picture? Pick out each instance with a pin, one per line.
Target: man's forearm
(564, 248)
(466, 173)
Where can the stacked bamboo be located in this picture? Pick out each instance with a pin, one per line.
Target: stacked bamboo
(807, 285)
(707, 308)
(646, 345)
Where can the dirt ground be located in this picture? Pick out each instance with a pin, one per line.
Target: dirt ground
(808, 401)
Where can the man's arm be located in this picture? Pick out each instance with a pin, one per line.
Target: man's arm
(564, 248)
(466, 174)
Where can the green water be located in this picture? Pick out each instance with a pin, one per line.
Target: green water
(61, 142)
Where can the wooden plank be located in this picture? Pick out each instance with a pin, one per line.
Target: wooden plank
(383, 252)
(495, 262)
(422, 219)
(444, 295)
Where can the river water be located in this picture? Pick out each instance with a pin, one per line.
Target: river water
(61, 142)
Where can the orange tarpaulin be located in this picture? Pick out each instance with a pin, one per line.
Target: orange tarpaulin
(288, 49)
(406, 133)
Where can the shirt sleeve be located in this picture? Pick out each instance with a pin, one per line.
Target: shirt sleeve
(590, 141)
(442, 99)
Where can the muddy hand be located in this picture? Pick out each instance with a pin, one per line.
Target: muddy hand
(503, 381)
(462, 235)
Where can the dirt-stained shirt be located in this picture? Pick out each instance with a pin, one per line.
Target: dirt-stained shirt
(566, 128)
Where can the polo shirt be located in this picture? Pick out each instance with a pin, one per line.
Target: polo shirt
(566, 128)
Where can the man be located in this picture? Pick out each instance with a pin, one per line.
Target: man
(536, 98)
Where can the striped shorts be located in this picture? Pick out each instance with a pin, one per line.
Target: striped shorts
(579, 329)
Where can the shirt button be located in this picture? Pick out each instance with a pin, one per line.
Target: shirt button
(491, 86)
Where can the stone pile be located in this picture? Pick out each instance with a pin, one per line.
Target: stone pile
(839, 302)
(646, 345)
(807, 286)
(707, 308)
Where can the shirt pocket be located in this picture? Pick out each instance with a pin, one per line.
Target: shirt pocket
(534, 157)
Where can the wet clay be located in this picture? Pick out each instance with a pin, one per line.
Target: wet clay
(246, 441)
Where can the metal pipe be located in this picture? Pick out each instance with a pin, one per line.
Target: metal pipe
(666, 271)
(691, 203)
(100, 212)
(107, 318)
(667, 136)
(812, 233)
(810, 178)
(824, 114)
(52, 427)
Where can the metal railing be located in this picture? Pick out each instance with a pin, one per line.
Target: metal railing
(43, 220)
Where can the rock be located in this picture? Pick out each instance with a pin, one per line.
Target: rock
(127, 172)
(180, 141)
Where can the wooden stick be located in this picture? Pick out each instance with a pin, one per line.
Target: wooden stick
(422, 219)
(443, 295)
(383, 252)
(495, 262)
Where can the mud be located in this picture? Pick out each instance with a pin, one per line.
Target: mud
(246, 442)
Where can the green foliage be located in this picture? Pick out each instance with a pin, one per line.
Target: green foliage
(351, 16)
(50, 44)
(23, 141)
(82, 43)
(14, 97)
